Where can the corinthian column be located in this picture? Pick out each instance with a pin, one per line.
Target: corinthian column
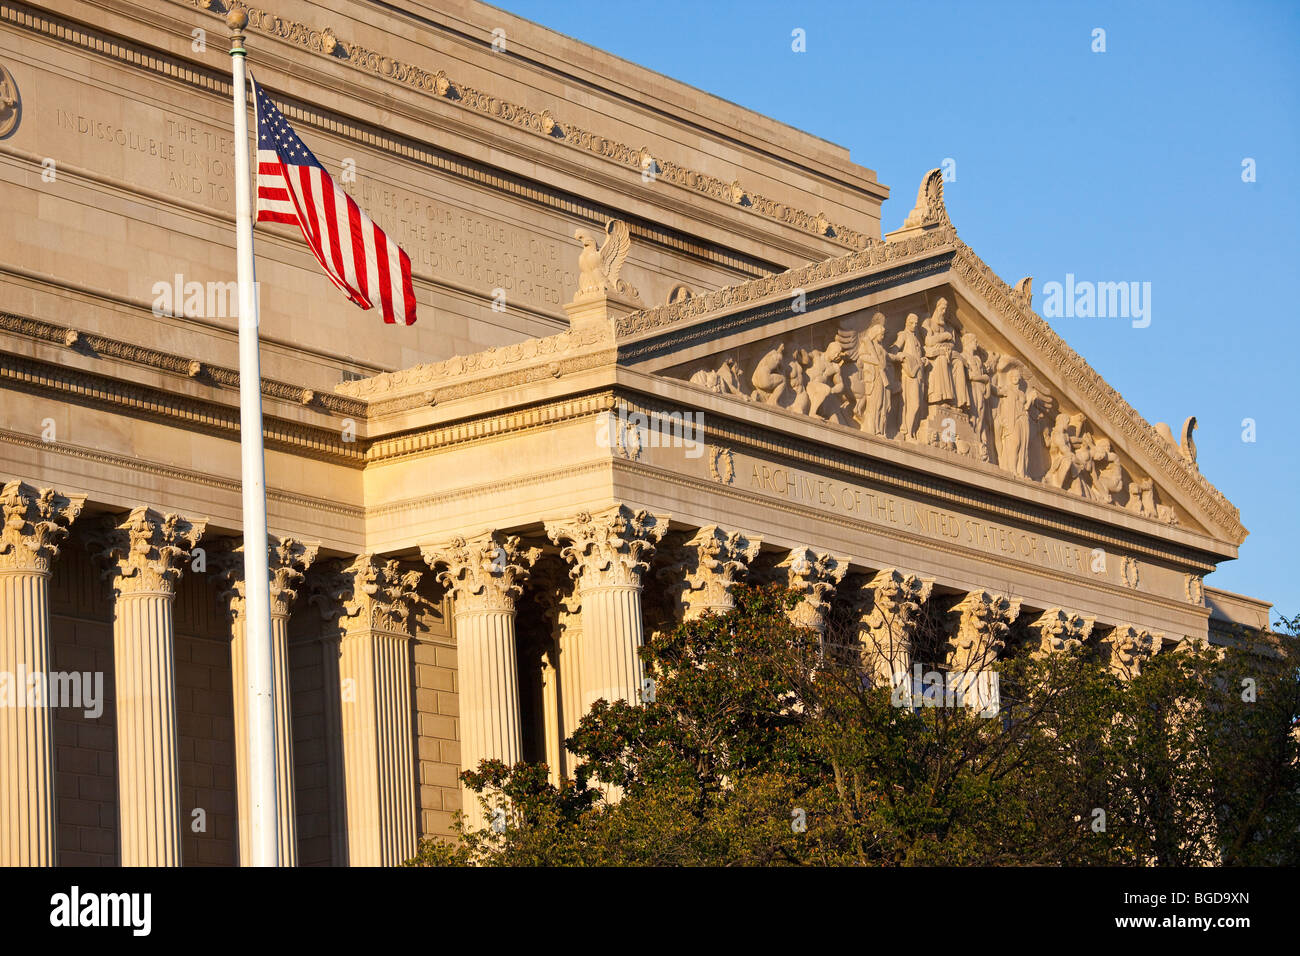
(814, 574)
(288, 561)
(982, 629)
(887, 627)
(713, 560)
(368, 603)
(609, 553)
(1129, 647)
(1060, 631)
(485, 575)
(35, 522)
(143, 556)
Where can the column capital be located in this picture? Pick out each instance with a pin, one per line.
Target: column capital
(367, 593)
(609, 547)
(145, 551)
(713, 560)
(1129, 647)
(483, 573)
(36, 522)
(898, 593)
(815, 575)
(985, 620)
(287, 559)
(1060, 631)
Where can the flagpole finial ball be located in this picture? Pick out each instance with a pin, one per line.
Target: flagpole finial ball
(237, 19)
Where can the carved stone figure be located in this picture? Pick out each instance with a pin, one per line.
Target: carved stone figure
(1061, 446)
(872, 409)
(911, 364)
(599, 268)
(1109, 480)
(977, 376)
(769, 380)
(824, 377)
(1186, 448)
(1015, 401)
(726, 380)
(798, 402)
(939, 343)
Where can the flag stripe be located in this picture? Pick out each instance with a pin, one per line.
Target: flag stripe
(356, 255)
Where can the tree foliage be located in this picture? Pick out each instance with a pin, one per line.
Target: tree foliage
(767, 744)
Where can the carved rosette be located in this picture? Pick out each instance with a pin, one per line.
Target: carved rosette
(815, 575)
(1129, 647)
(714, 560)
(36, 521)
(145, 552)
(288, 560)
(369, 593)
(982, 629)
(609, 548)
(893, 602)
(483, 573)
(1060, 631)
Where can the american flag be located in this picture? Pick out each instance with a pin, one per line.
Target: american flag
(293, 187)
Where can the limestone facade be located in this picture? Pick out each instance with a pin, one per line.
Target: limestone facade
(664, 347)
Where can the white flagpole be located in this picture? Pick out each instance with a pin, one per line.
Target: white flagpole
(257, 584)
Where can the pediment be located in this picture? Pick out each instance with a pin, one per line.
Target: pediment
(943, 370)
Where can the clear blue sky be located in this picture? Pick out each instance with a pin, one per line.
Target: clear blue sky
(1116, 166)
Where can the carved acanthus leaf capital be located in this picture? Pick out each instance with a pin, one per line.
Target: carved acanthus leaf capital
(608, 548)
(896, 598)
(1129, 647)
(36, 521)
(815, 575)
(287, 560)
(483, 573)
(369, 593)
(985, 620)
(146, 551)
(1060, 631)
(714, 560)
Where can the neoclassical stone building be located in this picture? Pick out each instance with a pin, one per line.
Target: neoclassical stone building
(665, 345)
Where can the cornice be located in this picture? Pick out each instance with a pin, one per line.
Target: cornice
(811, 514)
(438, 84)
(180, 475)
(156, 404)
(99, 346)
(735, 435)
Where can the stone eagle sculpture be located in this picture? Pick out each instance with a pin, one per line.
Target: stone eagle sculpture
(599, 268)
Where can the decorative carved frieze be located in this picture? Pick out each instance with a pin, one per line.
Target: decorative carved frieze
(36, 522)
(1060, 631)
(815, 575)
(1129, 647)
(146, 551)
(542, 122)
(368, 593)
(288, 560)
(483, 573)
(610, 547)
(983, 624)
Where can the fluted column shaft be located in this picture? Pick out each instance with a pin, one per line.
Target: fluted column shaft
(26, 732)
(612, 637)
(34, 522)
(370, 602)
(287, 561)
(144, 555)
(485, 576)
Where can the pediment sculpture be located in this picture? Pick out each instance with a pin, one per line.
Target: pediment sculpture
(934, 383)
